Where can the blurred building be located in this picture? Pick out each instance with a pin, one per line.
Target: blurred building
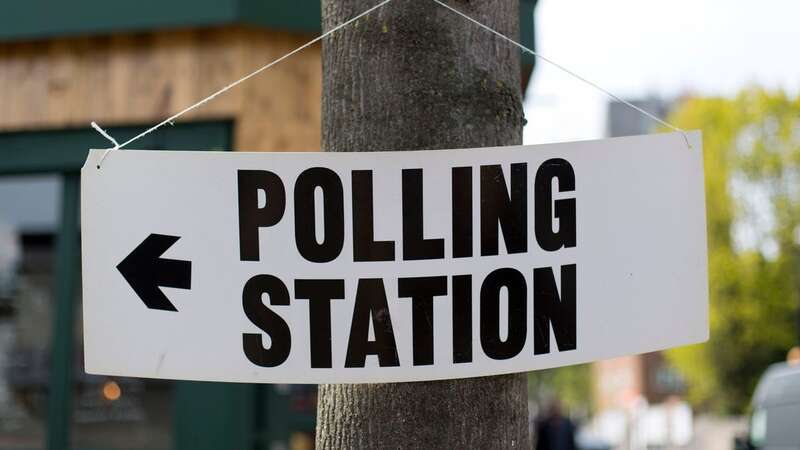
(638, 399)
(619, 382)
(128, 65)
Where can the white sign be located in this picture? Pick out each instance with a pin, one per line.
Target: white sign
(391, 266)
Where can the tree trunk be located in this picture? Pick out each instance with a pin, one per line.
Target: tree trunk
(413, 75)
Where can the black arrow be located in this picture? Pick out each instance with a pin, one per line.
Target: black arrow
(146, 272)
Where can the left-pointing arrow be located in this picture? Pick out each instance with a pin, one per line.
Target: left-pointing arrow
(147, 272)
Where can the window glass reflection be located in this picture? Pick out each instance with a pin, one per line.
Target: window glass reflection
(28, 207)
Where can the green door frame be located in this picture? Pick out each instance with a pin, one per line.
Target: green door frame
(61, 349)
(206, 415)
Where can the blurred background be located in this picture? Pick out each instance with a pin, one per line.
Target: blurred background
(724, 67)
(720, 67)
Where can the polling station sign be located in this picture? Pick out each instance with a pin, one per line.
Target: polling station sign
(391, 266)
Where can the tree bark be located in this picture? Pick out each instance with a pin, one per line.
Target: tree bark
(413, 75)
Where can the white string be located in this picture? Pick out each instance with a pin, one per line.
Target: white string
(569, 72)
(105, 134)
(171, 119)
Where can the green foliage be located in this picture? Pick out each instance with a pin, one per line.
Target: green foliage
(570, 385)
(752, 170)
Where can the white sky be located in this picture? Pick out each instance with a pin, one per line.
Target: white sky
(636, 48)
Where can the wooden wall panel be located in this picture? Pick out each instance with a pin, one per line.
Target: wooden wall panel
(289, 97)
(139, 79)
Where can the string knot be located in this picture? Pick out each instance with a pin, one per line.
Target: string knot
(105, 134)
